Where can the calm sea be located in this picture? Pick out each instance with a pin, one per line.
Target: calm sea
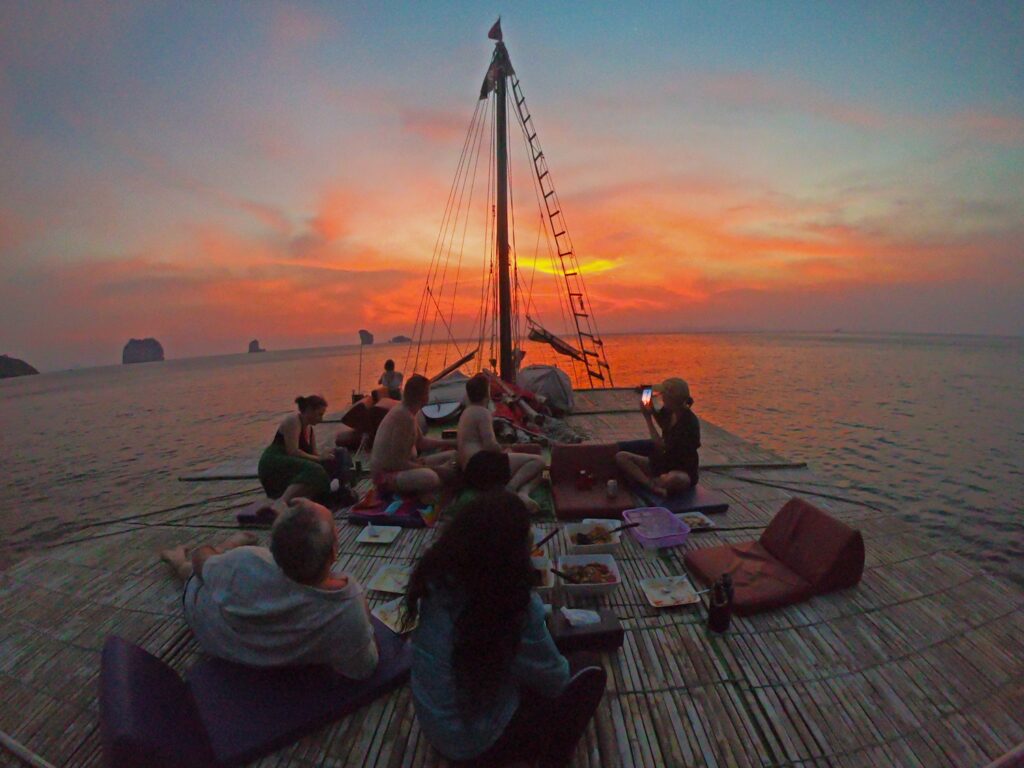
(931, 425)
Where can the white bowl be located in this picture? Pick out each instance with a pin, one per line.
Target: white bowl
(585, 526)
(543, 564)
(589, 590)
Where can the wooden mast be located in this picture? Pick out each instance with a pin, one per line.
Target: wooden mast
(501, 68)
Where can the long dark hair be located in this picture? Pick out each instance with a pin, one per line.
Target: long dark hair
(312, 401)
(483, 559)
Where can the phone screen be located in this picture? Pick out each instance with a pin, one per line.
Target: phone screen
(646, 396)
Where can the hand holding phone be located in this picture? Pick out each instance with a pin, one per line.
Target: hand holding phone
(646, 396)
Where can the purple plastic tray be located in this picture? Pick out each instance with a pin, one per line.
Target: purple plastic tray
(658, 527)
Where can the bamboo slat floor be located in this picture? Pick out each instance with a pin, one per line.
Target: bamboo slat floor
(922, 664)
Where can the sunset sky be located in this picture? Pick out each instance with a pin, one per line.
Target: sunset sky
(208, 173)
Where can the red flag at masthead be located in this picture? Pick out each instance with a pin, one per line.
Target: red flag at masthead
(495, 33)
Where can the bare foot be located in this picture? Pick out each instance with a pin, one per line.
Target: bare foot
(241, 539)
(179, 561)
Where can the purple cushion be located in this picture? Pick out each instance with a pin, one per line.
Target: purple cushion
(250, 712)
(147, 715)
(695, 499)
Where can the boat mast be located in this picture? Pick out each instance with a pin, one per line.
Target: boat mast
(501, 68)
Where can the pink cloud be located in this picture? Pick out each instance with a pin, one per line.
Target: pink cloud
(435, 125)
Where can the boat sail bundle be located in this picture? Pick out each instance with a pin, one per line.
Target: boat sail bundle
(507, 292)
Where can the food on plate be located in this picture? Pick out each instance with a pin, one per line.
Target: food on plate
(696, 521)
(590, 573)
(596, 535)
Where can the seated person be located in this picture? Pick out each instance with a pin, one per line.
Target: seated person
(673, 466)
(391, 380)
(278, 607)
(290, 466)
(488, 684)
(476, 433)
(395, 460)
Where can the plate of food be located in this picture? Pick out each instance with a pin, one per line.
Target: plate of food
(378, 534)
(590, 537)
(669, 591)
(589, 575)
(697, 521)
(391, 615)
(390, 578)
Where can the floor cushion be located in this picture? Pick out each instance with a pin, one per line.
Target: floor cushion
(147, 714)
(699, 498)
(826, 552)
(249, 712)
(760, 582)
(598, 460)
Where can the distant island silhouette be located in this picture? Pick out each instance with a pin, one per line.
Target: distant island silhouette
(365, 337)
(147, 350)
(400, 340)
(12, 366)
(254, 346)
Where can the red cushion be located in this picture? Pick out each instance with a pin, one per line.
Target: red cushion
(598, 459)
(825, 552)
(760, 582)
(347, 438)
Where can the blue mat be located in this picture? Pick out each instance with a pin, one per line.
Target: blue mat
(696, 499)
(248, 713)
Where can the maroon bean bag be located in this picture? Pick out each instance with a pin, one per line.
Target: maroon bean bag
(365, 416)
(803, 552)
(575, 503)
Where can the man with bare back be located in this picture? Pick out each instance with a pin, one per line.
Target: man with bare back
(476, 433)
(395, 461)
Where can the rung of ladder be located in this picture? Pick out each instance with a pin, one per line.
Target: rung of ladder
(572, 293)
(581, 314)
(588, 352)
(566, 253)
(531, 137)
(555, 213)
(543, 175)
(549, 194)
(520, 102)
(559, 234)
(538, 156)
(595, 375)
(588, 335)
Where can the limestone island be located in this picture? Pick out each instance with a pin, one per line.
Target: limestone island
(254, 346)
(400, 340)
(365, 337)
(142, 351)
(12, 366)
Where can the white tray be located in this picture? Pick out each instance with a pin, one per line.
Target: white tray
(378, 534)
(697, 521)
(669, 591)
(390, 615)
(392, 578)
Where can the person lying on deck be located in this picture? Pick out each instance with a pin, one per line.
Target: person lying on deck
(396, 461)
(290, 466)
(488, 684)
(673, 466)
(391, 380)
(476, 433)
(281, 606)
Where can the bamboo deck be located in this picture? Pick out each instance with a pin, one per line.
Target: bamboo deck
(922, 664)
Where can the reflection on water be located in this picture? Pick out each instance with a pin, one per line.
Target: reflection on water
(932, 425)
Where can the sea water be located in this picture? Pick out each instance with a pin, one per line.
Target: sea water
(930, 426)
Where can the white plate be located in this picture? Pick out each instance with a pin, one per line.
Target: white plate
(669, 591)
(697, 521)
(589, 590)
(378, 534)
(390, 578)
(390, 614)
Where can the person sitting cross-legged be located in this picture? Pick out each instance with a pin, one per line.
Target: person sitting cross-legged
(476, 433)
(396, 461)
(488, 684)
(281, 606)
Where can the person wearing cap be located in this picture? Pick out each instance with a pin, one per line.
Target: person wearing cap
(675, 431)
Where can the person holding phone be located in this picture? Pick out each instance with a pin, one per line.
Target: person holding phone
(673, 465)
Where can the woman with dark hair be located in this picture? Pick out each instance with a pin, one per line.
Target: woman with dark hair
(290, 466)
(488, 683)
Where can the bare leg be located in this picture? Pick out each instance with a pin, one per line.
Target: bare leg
(638, 469)
(180, 558)
(293, 491)
(526, 471)
(424, 482)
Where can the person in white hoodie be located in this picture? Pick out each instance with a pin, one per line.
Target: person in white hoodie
(280, 606)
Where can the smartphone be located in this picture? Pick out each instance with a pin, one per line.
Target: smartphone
(646, 395)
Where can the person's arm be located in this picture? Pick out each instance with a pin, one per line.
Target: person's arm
(538, 663)
(648, 412)
(424, 443)
(485, 429)
(360, 663)
(290, 430)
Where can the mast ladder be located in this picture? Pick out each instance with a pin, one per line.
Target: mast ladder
(590, 343)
